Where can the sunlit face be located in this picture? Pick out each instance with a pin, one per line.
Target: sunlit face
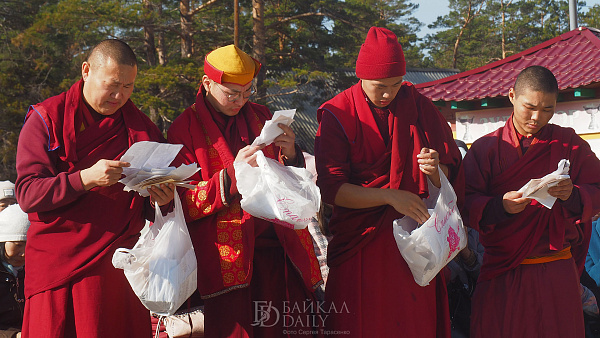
(15, 253)
(219, 95)
(107, 86)
(532, 110)
(382, 92)
(5, 202)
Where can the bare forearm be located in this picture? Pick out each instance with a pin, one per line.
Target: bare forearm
(357, 197)
(405, 202)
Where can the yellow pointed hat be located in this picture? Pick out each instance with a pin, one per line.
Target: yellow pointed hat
(230, 64)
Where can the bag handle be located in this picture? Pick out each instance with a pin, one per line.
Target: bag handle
(444, 181)
(158, 214)
(162, 319)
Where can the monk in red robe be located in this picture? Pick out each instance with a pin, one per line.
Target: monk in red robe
(257, 278)
(377, 145)
(67, 166)
(529, 281)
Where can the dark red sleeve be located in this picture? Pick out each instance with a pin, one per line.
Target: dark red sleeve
(494, 212)
(332, 157)
(477, 168)
(40, 185)
(573, 204)
(205, 199)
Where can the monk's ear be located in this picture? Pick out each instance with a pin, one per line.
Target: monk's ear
(512, 95)
(205, 82)
(85, 70)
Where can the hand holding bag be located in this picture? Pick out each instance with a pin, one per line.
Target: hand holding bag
(161, 267)
(284, 195)
(428, 248)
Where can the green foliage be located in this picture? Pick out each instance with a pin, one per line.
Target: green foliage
(525, 24)
(16, 72)
(591, 18)
(178, 86)
(352, 20)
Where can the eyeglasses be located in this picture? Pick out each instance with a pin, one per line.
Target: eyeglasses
(233, 97)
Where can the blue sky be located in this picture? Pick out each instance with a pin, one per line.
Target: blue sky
(429, 10)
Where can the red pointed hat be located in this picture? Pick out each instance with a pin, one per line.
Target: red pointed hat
(381, 56)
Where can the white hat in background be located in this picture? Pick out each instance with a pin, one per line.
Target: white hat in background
(7, 190)
(13, 224)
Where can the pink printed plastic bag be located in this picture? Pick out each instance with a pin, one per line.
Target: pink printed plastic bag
(429, 247)
(284, 195)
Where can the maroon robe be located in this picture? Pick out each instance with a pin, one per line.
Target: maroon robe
(539, 300)
(370, 285)
(74, 232)
(242, 260)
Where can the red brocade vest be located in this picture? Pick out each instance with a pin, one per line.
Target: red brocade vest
(222, 233)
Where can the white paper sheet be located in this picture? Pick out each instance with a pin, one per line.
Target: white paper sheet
(149, 166)
(537, 188)
(271, 129)
(148, 155)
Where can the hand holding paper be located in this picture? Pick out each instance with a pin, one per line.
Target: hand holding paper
(538, 188)
(102, 174)
(161, 193)
(514, 202)
(271, 129)
(149, 166)
(562, 190)
(287, 143)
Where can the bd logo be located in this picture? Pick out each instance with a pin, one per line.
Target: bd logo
(265, 314)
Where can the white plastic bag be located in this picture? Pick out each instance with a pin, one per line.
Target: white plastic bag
(428, 248)
(277, 193)
(161, 267)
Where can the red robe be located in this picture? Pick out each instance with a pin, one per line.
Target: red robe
(541, 300)
(74, 232)
(241, 259)
(369, 283)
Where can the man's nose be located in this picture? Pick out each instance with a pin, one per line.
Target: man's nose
(117, 94)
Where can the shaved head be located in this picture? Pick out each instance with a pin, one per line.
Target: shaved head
(537, 79)
(117, 50)
(108, 76)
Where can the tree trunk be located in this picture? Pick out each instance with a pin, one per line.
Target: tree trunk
(503, 29)
(258, 50)
(469, 16)
(186, 28)
(281, 39)
(149, 48)
(160, 43)
(503, 10)
(149, 45)
(236, 23)
(456, 44)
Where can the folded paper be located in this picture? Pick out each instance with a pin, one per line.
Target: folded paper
(271, 129)
(537, 188)
(150, 166)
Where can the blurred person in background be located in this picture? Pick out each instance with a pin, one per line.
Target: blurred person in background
(7, 194)
(13, 235)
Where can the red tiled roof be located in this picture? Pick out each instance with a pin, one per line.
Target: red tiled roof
(573, 57)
